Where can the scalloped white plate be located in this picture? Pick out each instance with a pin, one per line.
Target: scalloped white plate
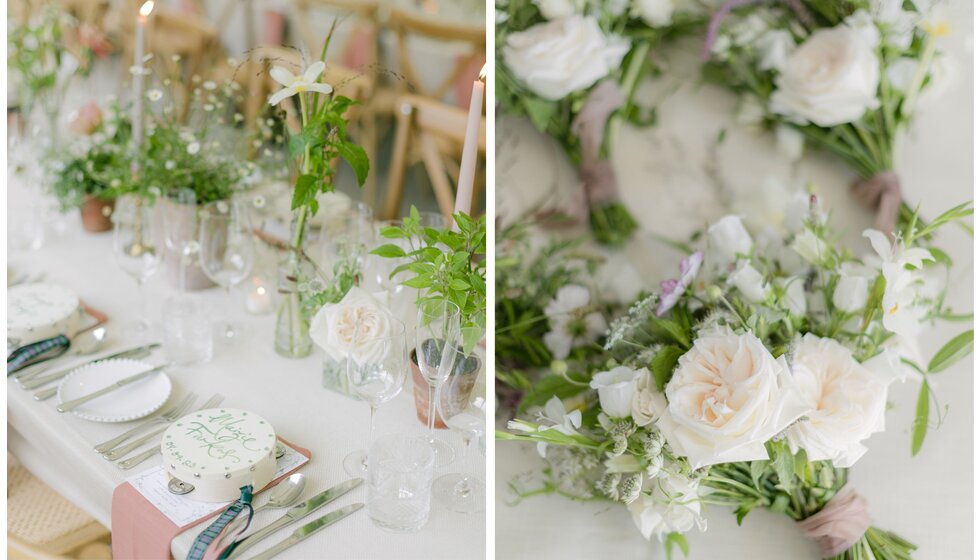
(131, 402)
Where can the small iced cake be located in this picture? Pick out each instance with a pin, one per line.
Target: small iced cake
(39, 311)
(218, 451)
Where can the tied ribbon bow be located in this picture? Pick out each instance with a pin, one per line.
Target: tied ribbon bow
(882, 194)
(207, 536)
(839, 525)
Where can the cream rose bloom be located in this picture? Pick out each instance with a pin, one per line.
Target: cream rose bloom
(353, 327)
(846, 400)
(831, 79)
(556, 58)
(728, 396)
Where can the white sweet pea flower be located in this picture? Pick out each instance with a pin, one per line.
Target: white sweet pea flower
(727, 239)
(774, 47)
(750, 282)
(901, 315)
(293, 84)
(571, 324)
(616, 390)
(813, 249)
(851, 292)
(670, 505)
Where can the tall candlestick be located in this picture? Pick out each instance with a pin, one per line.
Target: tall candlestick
(144, 13)
(471, 142)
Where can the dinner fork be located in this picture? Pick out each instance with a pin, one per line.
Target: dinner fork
(137, 459)
(172, 414)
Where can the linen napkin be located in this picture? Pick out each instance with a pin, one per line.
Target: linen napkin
(140, 531)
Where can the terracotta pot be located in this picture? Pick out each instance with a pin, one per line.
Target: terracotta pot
(194, 277)
(97, 214)
(422, 393)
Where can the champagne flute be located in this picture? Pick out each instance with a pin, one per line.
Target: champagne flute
(376, 373)
(462, 404)
(227, 251)
(437, 329)
(135, 250)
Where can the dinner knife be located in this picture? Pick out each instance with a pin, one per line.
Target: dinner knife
(309, 529)
(295, 513)
(35, 380)
(75, 403)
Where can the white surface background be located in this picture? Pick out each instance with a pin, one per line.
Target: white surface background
(669, 177)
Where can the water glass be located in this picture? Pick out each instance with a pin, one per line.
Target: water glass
(400, 482)
(187, 335)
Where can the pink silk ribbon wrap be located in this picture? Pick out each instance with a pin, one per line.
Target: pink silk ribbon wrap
(839, 525)
(596, 174)
(882, 194)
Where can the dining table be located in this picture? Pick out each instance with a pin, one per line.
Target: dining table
(288, 393)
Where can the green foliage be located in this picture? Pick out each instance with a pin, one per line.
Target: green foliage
(953, 351)
(663, 365)
(678, 540)
(921, 424)
(93, 165)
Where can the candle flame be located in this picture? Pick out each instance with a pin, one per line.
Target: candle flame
(146, 8)
(260, 290)
(483, 73)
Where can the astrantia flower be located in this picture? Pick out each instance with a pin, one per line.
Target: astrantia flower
(672, 290)
(293, 84)
(572, 323)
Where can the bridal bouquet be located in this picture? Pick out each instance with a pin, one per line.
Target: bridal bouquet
(752, 381)
(572, 67)
(844, 75)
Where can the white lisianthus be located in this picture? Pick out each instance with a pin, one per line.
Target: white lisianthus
(728, 396)
(655, 13)
(774, 47)
(846, 401)
(354, 327)
(727, 239)
(813, 249)
(749, 282)
(851, 292)
(571, 322)
(862, 22)
(670, 505)
(901, 314)
(558, 9)
(789, 142)
(616, 388)
(648, 403)
(556, 58)
(830, 79)
(794, 296)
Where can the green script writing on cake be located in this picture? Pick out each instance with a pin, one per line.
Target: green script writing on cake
(222, 436)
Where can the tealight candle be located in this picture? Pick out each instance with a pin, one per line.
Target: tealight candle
(259, 300)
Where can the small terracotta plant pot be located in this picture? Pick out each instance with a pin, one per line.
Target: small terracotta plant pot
(422, 391)
(97, 214)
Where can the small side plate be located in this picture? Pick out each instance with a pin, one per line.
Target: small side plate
(131, 402)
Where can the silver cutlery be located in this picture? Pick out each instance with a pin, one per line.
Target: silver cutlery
(37, 380)
(308, 530)
(75, 403)
(168, 416)
(295, 513)
(83, 344)
(284, 495)
(139, 458)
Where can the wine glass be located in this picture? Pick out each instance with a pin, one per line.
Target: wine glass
(135, 250)
(376, 373)
(345, 238)
(437, 328)
(227, 251)
(462, 404)
(180, 224)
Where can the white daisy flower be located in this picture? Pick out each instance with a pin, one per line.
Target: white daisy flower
(210, 85)
(294, 84)
(154, 95)
(170, 164)
(193, 148)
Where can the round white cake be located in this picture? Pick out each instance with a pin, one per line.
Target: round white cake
(39, 311)
(218, 451)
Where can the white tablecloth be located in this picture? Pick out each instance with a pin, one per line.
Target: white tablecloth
(675, 178)
(288, 393)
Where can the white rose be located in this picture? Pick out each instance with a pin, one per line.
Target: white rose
(789, 142)
(556, 58)
(728, 238)
(648, 403)
(774, 47)
(851, 292)
(558, 9)
(794, 296)
(749, 282)
(847, 402)
(728, 396)
(813, 249)
(672, 505)
(616, 389)
(353, 327)
(831, 79)
(655, 13)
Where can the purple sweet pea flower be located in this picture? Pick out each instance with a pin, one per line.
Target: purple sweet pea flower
(672, 290)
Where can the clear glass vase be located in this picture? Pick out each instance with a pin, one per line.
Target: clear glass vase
(292, 339)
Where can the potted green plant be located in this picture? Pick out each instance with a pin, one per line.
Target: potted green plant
(447, 264)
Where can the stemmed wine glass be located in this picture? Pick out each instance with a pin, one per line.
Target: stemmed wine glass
(437, 329)
(135, 249)
(345, 238)
(376, 373)
(180, 225)
(227, 251)
(462, 403)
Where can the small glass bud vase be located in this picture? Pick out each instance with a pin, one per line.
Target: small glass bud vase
(292, 326)
(335, 377)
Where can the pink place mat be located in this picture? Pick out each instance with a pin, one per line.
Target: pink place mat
(142, 532)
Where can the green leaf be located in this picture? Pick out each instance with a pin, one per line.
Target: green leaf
(305, 191)
(757, 469)
(389, 251)
(548, 386)
(952, 352)
(670, 329)
(940, 256)
(784, 463)
(393, 232)
(357, 158)
(663, 364)
(921, 423)
(419, 282)
(540, 112)
(677, 539)
(459, 284)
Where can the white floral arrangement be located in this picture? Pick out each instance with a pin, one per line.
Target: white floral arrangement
(751, 381)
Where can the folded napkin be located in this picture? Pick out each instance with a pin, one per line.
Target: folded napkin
(140, 531)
